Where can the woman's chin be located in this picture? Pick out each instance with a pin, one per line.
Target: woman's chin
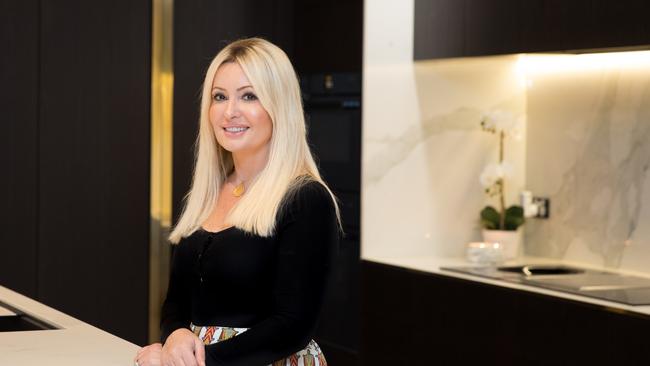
(237, 148)
(232, 145)
(241, 146)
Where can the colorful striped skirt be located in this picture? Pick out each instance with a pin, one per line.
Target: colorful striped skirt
(308, 356)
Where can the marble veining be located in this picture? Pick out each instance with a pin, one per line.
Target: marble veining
(586, 147)
(597, 198)
(421, 190)
(397, 148)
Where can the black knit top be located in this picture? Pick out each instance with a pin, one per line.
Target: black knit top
(274, 285)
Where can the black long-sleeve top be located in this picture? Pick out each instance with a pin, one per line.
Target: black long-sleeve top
(273, 285)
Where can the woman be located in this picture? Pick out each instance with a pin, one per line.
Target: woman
(259, 228)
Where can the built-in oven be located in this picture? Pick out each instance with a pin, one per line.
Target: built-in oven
(332, 105)
(333, 114)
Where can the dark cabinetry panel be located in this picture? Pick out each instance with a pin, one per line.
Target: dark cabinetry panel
(94, 163)
(338, 331)
(492, 26)
(18, 144)
(438, 28)
(412, 317)
(386, 318)
(328, 36)
(445, 28)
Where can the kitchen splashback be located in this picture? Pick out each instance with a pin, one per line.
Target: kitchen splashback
(424, 151)
(588, 147)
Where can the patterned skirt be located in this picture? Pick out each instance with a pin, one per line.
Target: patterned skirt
(308, 356)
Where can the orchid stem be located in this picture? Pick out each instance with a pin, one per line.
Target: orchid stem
(502, 193)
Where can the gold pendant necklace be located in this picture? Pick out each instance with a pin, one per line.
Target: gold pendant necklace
(239, 190)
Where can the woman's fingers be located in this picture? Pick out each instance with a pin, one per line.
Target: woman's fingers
(140, 352)
(188, 358)
(179, 356)
(199, 352)
(179, 361)
(149, 355)
(183, 348)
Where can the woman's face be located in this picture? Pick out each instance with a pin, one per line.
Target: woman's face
(241, 125)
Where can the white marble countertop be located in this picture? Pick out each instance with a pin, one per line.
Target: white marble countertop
(6, 312)
(76, 343)
(432, 264)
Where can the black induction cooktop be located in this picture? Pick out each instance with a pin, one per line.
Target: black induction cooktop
(604, 285)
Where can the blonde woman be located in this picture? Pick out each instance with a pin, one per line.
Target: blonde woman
(259, 229)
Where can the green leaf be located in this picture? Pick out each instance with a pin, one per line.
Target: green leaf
(514, 217)
(490, 218)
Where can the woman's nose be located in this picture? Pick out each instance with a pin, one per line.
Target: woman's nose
(232, 109)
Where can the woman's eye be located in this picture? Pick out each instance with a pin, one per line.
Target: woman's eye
(219, 97)
(249, 97)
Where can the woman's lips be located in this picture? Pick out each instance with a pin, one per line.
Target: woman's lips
(235, 131)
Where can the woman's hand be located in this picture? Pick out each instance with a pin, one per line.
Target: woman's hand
(149, 355)
(183, 348)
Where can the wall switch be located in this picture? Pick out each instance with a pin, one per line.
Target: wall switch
(537, 207)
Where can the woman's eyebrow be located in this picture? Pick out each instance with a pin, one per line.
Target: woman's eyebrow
(238, 89)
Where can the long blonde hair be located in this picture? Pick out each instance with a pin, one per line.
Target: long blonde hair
(290, 163)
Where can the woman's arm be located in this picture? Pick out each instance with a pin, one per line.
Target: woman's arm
(176, 310)
(181, 346)
(307, 240)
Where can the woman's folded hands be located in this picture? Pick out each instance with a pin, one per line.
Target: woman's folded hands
(182, 348)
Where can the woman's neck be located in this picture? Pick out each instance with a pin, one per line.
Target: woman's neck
(247, 165)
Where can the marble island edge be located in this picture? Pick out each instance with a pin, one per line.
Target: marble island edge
(75, 343)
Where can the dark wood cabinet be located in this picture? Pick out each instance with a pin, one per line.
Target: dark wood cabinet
(328, 36)
(94, 149)
(493, 27)
(414, 317)
(438, 29)
(19, 24)
(448, 28)
(74, 148)
(338, 330)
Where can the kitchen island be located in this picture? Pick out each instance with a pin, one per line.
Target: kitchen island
(415, 312)
(72, 343)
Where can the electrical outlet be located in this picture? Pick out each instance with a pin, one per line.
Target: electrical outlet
(543, 207)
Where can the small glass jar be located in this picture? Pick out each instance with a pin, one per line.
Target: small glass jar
(485, 253)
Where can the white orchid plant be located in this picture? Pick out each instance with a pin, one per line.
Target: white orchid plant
(493, 178)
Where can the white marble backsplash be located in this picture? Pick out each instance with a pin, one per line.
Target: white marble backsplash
(586, 147)
(589, 151)
(423, 152)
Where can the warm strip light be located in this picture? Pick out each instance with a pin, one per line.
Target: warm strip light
(162, 87)
(531, 64)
